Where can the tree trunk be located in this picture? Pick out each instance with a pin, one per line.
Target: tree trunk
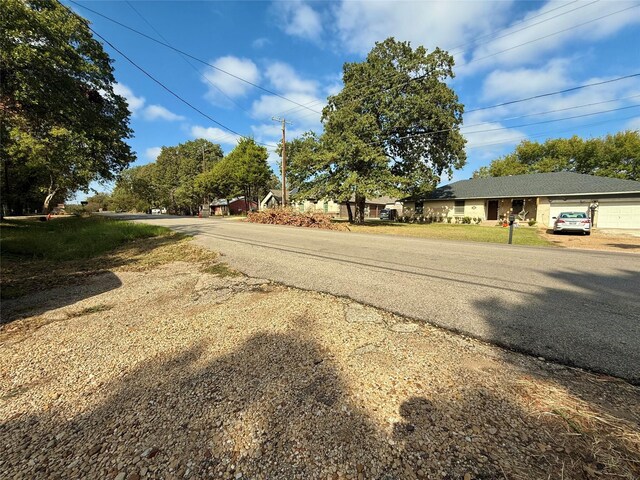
(349, 212)
(360, 205)
(47, 200)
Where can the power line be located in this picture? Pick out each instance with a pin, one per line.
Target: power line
(551, 34)
(537, 135)
(182, 52)
(554, 120)
(445, 130)
(204, 77)
(171, 91)
(493, 35)
(557, 110)
(557, 92)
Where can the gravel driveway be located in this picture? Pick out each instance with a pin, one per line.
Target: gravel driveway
(172, 373)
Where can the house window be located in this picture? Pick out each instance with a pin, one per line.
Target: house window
(419, 208)
(459, 207)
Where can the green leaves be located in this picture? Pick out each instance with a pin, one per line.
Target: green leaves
(393, 129)
(615, 156)
(64, 126)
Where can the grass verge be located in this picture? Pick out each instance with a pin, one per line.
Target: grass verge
(470, 233)
(70, 238)
(39, 256)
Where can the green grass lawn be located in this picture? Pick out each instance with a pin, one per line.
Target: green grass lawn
(445, 231)
(69, 238)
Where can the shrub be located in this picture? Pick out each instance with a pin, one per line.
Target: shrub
(289, 216)
(532, 222)
(478, 220)
(449, 219)
(466, 220)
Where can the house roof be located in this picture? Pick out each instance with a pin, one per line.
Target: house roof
(221, 202)
(277, 194)
(535, 185)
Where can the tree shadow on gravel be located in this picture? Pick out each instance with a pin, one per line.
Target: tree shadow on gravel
(276, 408)
(33, 287)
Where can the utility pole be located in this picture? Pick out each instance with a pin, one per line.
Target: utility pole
(284, 157)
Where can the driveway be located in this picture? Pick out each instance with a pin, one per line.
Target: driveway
(576, 307)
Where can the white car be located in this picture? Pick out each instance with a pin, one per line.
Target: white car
(572, 222)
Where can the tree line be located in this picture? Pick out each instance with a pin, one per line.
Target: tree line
(186, 176)
(616, 156)
(393, 129)
(63, 126)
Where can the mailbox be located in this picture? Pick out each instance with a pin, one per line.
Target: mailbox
(512, 218)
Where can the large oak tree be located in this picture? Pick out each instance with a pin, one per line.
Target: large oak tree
(63, 126)
(393, 129)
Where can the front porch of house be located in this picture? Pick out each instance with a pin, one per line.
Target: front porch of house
(485, 209)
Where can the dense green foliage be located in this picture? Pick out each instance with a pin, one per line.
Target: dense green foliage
(393, 129)
(71, 238)
(184, 176)
(615, 156)
(63, 126)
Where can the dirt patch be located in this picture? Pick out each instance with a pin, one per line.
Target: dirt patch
(596, 241)
(179, 373)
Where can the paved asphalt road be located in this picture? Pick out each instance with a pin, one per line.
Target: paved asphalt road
(577, 307)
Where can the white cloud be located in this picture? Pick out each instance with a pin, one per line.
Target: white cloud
(158, 112)
(260, 42)
(284, 78)
(231, 86)
(152, 153)
(214, 134)
(523, 82)
(135, 103)
(298, 19)
(445, 24)
(488, 135)
(516, 84)
(550, 35)
(268, 105)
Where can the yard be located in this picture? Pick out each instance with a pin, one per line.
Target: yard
(524, 235)
(154, 360)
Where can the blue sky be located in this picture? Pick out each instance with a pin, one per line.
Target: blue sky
(504, 51)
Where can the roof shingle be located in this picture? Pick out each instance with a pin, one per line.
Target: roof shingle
(535, 185)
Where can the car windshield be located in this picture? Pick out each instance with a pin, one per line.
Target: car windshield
(573, 215)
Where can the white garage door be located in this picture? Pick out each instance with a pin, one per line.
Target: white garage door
(557, 207)
(622, 214)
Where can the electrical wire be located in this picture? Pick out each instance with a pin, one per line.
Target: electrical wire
(551, 34)
(543, 134)
(204, 77)
(182, 52)
(193, 107)
(491, 35)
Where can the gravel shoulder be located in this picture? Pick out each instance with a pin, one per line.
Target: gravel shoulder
(166, 371)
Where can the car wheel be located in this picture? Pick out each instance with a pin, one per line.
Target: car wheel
(587, 233)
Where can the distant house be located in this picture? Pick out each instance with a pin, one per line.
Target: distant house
(233, 206)
(331, 207)
(536, 196)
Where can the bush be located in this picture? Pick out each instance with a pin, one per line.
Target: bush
(289, 216)
(532, 223)
(466, 220)
(449, 219)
